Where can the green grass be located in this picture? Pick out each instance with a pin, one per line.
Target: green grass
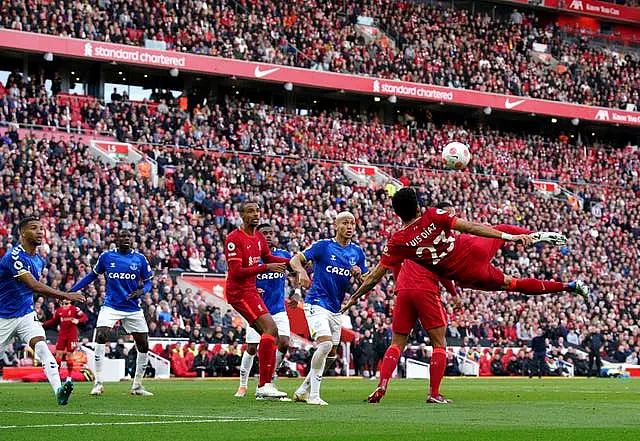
(484, 409)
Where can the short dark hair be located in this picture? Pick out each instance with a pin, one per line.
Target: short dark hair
(405, 203)
(444, 204)
(263, 226)
(25, 220)
(243, 206)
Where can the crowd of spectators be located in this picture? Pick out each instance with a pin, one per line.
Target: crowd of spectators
(181, 224)
(430, 43)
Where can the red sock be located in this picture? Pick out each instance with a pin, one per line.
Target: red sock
(389, 363)
(436, 370)
(512, 229)
(266, 358)
(535, 286)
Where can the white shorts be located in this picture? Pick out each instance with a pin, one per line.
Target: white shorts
(282, 322)
(323, 323)
(131, 321)
(26, 327)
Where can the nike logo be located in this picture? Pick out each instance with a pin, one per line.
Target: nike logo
(263, 73)
(248, 246)
(510, 105)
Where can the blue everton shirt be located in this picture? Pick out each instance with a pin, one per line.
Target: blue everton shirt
(331, 272)
(16, 300)
(124, 273)
(273, 286)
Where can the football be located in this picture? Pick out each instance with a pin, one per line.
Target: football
(456, 156)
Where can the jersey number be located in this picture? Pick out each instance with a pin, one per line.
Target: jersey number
(435, 257)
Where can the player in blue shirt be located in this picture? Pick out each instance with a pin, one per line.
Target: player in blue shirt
(128, 276)
(335, 262)
(20, 271)
(271, 285)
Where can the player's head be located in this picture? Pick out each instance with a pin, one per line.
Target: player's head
(345, 225)
(269, 234)
(405, 204)
(31, 230)
(124, 238)
(250, 213)
(446, 206)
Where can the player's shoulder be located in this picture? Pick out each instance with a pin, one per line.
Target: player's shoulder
(139, 255)
(321, 243)
(282, 253)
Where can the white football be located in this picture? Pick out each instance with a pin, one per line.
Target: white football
(456, 156)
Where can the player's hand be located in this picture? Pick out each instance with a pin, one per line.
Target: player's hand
(75, 321)
(524, 239)
(304, 280)
(260, 291)
(277, 267)
(134, 295)
(75, 297)
(356, 272)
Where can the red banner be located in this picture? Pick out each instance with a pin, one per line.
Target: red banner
(594, 8)
(112, 148)
(365, 170)
(598, 9)
(91, 50)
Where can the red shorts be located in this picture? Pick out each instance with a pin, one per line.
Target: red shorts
(250, 306)
(66, 344)
(413, 304)
(475, 270)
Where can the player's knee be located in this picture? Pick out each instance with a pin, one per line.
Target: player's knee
(325, 348)
(252, 348)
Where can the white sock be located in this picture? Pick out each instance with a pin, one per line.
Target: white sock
(99, 359)
(49, 364)
(317, 367)
(305, 385)
(279, 357)
(245, 368)
(141, 366)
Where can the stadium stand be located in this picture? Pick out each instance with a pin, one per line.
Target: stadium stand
(424, 43)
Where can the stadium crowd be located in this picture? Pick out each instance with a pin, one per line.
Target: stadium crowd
(411, 41)
(181, 224)
(196, 204)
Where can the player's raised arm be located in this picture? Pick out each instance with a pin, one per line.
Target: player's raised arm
(370, 281)
(43, 289)
(477, 229)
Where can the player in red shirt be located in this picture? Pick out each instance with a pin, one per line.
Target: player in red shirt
(417, 298)
(244, 248)
(68, 317)
(428, 240)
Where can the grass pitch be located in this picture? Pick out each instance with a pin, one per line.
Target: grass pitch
(484, 409)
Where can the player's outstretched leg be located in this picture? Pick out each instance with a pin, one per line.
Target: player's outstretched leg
(535, 286)
(142, 345)
(51, 370)
(315, 373)
(389, 364)
(436, 372)
(245, 369)
(267, 358)
(102, 334)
